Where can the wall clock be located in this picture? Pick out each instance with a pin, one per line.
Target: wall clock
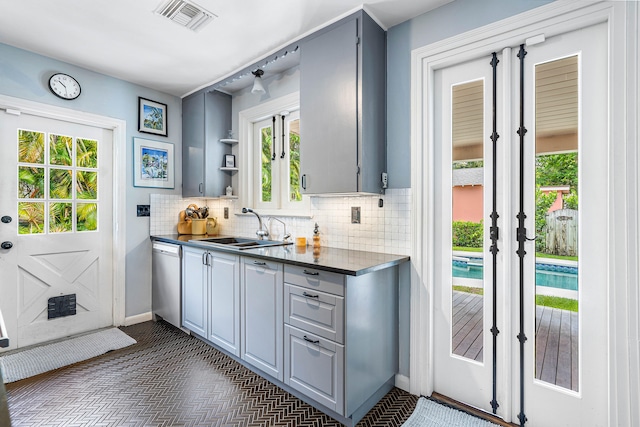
(64, 86)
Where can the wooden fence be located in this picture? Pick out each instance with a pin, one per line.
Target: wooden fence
(562, 232)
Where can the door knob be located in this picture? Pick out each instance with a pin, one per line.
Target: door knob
(6, 219)
(6, 245)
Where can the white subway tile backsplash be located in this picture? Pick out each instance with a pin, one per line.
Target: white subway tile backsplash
(386, 229)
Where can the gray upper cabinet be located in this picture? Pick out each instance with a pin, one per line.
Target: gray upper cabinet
(206, 118)
(342, 108)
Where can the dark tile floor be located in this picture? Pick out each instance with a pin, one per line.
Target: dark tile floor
(171, 379)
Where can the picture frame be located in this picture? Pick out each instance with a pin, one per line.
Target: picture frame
(229, 161)
(152, 117)
(153, 164)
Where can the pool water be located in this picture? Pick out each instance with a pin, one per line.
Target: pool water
(550, 275)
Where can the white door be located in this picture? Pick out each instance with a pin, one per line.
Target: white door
(56, 188)
(563, 362)
(462, 305)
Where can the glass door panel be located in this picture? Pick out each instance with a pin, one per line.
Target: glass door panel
(467, 195)
(556, 222)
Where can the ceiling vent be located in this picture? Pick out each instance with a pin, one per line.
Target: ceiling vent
(185, 13)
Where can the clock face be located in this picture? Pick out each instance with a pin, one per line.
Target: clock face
(64, 86)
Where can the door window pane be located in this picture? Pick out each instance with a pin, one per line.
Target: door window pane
(556, 221)
(87, 185)
(87, 216)
(30, 182)
(467, 194)
(30, 147)
(60, 183)
(87, 153)
(60, 217)
(60, 150)
(30, 217)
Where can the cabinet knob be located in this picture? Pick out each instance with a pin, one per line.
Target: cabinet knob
(6, 245)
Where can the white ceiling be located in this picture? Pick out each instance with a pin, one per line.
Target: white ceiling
(127, 40)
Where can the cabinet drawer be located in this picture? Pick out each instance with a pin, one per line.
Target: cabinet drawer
(320, 280)
(315, 366)
(314, 311)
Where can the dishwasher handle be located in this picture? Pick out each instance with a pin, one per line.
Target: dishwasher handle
(167, 249)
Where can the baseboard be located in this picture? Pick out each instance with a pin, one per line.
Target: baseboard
(138, 318)
(402, 382)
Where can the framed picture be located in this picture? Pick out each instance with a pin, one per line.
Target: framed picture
(152, 117)
(153, 164)
(229, 161)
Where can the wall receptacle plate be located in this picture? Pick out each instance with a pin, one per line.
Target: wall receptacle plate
(143, 210)
(226, 213)
(355, 215)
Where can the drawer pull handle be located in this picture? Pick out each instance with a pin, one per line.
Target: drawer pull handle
(259, 263)
(310, 340)
(304, 294)
(311, 273)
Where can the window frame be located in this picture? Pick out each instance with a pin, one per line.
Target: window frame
(249, 150)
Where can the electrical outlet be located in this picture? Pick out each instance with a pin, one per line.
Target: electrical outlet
(385, 180)
(355, 215)
(226, 213)
(143, 210)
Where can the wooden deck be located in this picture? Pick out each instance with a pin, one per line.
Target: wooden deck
(556, 339)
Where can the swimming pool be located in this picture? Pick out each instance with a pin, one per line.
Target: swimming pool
(548, 275)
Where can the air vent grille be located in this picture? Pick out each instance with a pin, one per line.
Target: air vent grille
(185, 13)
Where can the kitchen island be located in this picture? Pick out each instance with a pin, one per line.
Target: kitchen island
(322, 326)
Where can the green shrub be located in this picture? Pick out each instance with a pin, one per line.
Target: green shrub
(467, 234)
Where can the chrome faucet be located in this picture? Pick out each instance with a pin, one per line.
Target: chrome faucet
(286, 236)
(262, 232)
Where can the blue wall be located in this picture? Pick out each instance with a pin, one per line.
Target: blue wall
(25, 75)
(449, 20)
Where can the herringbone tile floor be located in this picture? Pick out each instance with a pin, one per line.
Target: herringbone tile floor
(171, 379)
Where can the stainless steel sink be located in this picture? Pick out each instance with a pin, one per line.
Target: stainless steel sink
(239, 243)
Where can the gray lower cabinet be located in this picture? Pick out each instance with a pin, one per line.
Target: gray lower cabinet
(211, 296)
(315, 367)
(224, 301)
(341, 337)
(194, 290)
(261, 311)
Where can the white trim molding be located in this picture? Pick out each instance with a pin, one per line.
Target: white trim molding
(624, 181)
(138, 318)
(119, 129)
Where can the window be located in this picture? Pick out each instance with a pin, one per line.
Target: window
(278, 160)
(57, 183)
(270, 138)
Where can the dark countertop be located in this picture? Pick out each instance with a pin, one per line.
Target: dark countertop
(343, 261)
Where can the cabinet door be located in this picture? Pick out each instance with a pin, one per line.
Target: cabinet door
(193, 118)
(315, 367)
(328, 111)
(262, 285)
(194, 290)
(206, 117)
(224, 301)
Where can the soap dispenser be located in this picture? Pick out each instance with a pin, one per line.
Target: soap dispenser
(316, 243)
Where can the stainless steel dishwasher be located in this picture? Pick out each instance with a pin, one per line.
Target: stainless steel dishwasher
(166, 286)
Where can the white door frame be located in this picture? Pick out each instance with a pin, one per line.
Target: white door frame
(551, 19)
(119, 129)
